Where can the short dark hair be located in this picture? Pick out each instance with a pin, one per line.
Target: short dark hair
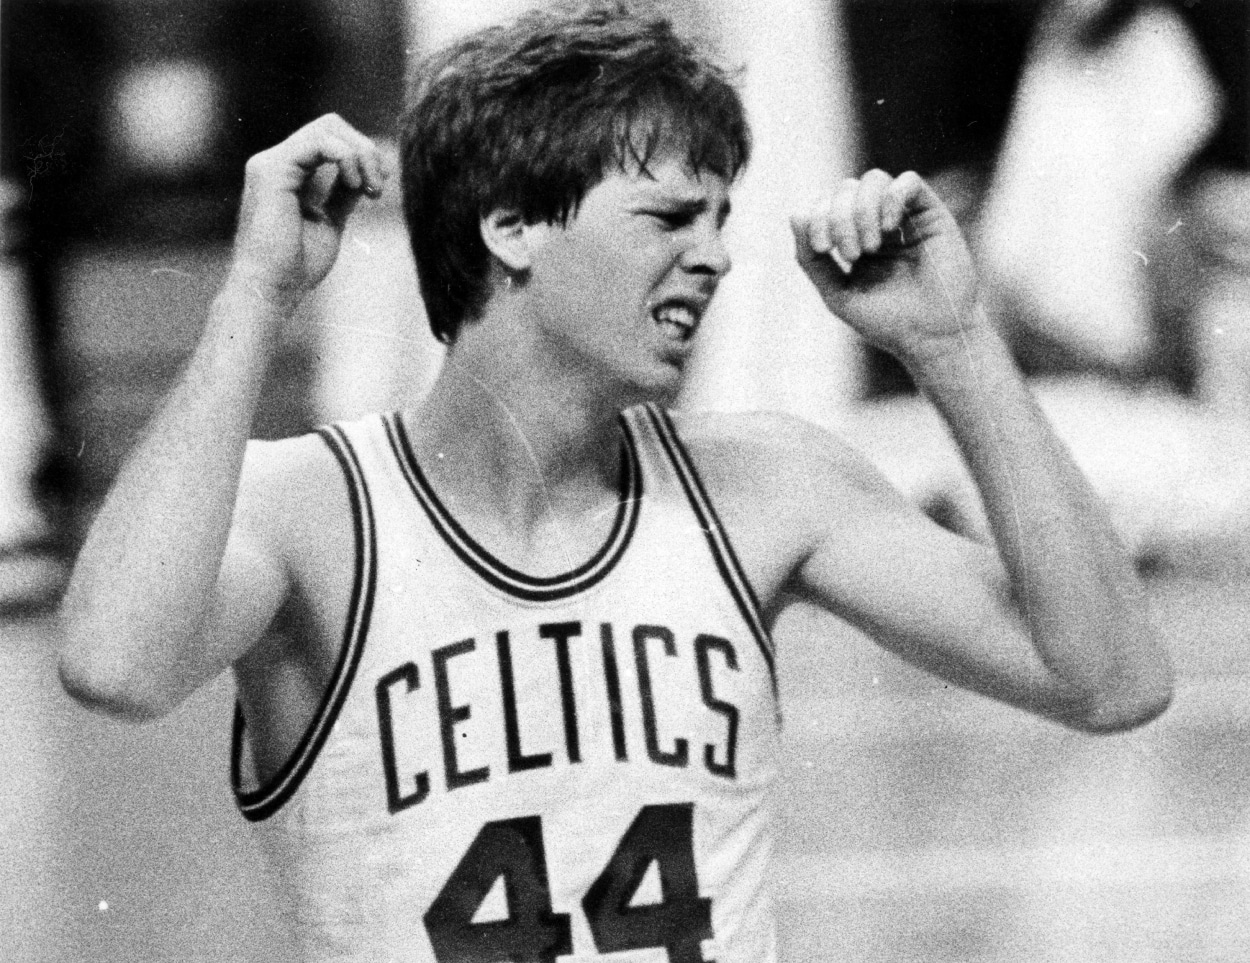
(531, 115)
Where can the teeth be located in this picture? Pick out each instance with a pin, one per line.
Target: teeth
(678, 318)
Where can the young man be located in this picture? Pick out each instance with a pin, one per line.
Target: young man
(528, 705)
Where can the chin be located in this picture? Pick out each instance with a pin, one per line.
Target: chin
(656, 389)
(662, 391)
(653, 378)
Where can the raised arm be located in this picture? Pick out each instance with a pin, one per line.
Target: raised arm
(1054, 620)
(178, 576)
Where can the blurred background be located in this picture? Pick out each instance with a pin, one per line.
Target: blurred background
(1096, 152)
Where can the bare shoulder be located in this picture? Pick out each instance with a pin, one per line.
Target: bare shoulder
(293, 498)
(286, 481)
(776, 456)
(782, 487)
(294, 507)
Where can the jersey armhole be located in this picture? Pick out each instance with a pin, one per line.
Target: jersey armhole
(722, 550)
(262, 802)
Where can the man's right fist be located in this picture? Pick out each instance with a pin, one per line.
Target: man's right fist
(297, 197)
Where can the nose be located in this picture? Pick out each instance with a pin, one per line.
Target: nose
(708, 254)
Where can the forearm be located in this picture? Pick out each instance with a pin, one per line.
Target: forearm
(147, 572)
(1074, 586)
(904, 279)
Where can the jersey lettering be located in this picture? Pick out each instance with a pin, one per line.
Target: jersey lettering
(560, 633)
(517, 760)
(642, 635)
(702, 646)
(512, 850)
(449, 715)
(666, 669)
(395, 802)
(612, 679)
(664, 836)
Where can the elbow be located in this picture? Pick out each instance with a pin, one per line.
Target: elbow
(110, 694)
(1134, 689)
(1120, 711)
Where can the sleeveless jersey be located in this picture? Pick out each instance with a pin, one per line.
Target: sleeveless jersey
(507, 767)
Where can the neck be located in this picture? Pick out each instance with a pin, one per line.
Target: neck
(510, 436)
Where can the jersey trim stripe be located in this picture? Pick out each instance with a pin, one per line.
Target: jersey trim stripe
(261, 803)
(528, 588)
(718, 539)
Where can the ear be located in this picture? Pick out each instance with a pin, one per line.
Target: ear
(510, 239)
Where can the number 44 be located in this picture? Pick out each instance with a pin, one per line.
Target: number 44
(532, 933)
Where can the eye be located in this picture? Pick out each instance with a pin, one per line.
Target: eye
(673, 220)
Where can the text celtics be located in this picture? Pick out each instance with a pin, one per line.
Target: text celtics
(504, 694)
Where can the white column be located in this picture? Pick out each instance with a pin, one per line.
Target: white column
(375, 349)
(435, 23)
(771, 343)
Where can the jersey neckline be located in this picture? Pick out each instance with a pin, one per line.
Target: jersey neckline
(493, 570)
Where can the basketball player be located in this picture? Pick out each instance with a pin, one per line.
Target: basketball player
(527, 706)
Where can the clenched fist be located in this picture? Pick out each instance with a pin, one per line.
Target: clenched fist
(297, 197)
(888, 258)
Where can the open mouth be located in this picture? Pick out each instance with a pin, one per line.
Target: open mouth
(678, 320)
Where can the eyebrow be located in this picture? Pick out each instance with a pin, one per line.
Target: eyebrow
(685, 205)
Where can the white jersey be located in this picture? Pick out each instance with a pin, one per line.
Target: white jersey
(515, 768)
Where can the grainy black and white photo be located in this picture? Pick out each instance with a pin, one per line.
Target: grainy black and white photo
(636, 481)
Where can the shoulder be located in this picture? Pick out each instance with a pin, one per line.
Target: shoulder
(279, 475)
(774, 455)
(294, 496)
(783, 488)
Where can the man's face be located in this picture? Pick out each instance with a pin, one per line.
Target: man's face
(621, 289)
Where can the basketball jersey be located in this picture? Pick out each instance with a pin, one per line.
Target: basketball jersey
(509, 767)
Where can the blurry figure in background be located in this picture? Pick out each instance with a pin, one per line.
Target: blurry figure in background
(1117, 261)
(1218, 206)
(525, 662)
(1104, 121)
